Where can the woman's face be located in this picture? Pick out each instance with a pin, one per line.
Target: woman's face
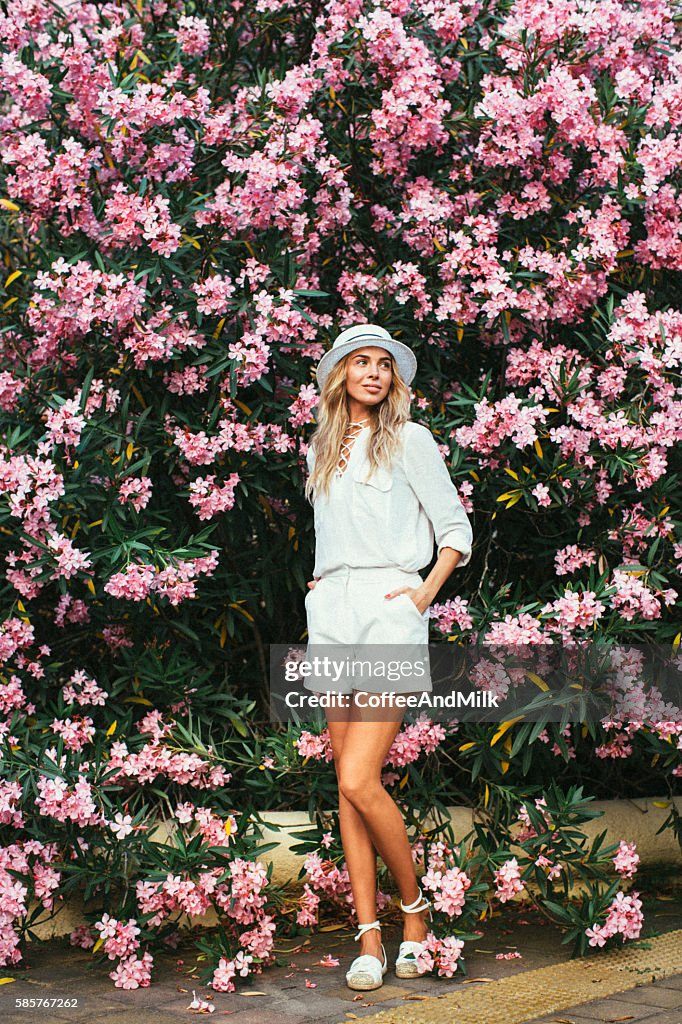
(369, 375)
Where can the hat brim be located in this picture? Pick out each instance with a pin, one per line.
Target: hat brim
(405, 359)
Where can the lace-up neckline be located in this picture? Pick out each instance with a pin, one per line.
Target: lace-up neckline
(353, 430)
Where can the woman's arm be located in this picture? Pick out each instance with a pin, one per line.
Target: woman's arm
(430, 480)
(425, 594)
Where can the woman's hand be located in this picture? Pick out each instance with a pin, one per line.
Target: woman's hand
(311, 584)
(417, 595)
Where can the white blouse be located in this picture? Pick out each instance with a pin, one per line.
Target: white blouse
(393, 517)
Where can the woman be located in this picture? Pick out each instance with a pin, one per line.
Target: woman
(381, 495)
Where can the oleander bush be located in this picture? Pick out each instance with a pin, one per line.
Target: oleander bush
(194, 198)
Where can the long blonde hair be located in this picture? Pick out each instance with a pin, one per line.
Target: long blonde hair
(333, 418)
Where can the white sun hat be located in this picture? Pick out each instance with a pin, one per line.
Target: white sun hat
(367, 335)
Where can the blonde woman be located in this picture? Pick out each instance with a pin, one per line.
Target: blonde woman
(382, 495)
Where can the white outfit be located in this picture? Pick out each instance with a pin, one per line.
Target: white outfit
(391, 518)
(372, 535)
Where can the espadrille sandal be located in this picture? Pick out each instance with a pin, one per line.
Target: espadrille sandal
(406, 963)
(367, 971)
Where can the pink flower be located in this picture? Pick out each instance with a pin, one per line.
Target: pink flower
(194, 35)
(626, 859)
(508, 880)
(133, 973)
(137, 491)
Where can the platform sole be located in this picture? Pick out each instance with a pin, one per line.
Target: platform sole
(406, 971)
(363, 982)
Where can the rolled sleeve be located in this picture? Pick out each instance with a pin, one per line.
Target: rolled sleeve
(430, 480)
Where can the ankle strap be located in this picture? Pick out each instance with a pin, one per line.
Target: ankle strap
(415, 907)
(366, 927)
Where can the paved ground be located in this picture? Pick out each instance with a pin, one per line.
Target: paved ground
(282, 996)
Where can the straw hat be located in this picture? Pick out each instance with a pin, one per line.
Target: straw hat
(363, 335)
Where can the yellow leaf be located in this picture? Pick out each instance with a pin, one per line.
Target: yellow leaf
(7, 981)
(9, 205)
(505, 496)
(136, 391)
(291, 532)
(129, 450)
(249, 247)
(242, 406)
(468, 746)
(538, 448)
(76, 527)
(503, 728)
(239, 609)
(511, 472)
(487, 795)
(97, 522)
(676, 642)
(661, 803)
(221, 324)
(228, 827)
(540, 683)
(267, 507)
(112, 728)
(504, 765)
(76, 464)
(9, 302)
(403, 781)
(223, 635)
(441, 248)
(512, 501)
(474, 474)
(332, 92)
(138, 700)
(12, 277)
(20, 606)
(98, 944)
(91, 586)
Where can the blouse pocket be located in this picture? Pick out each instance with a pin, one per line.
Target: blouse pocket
(372, 494)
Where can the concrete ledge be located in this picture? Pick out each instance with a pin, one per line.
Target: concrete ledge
(633, 820)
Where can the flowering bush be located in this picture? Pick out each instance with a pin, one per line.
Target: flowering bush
(193, 199)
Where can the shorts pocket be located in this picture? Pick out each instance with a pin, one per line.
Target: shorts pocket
(421, 615)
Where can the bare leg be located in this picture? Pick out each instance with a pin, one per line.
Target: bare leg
(363, 749)
(359, 851)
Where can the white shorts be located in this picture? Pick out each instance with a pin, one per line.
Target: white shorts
(346, 610)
